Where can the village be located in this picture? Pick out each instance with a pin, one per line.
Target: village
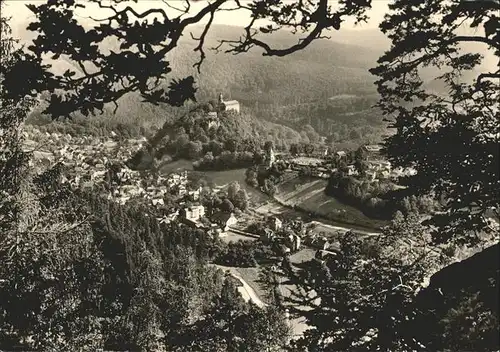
(95, 162)
(323, 163)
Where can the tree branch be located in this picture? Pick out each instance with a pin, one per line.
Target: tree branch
(201, 43)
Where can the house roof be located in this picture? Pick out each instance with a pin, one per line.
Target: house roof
(192, 223)
(267, 232)
(373, 148)
(231, 102)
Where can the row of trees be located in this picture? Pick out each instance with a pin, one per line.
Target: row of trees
(265, 179)
(379, 199)
(365, 195)
(227, 160)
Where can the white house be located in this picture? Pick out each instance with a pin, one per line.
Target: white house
(195, 212)
(374, 148)
(224, 220)
(232, 105)
(351, 170)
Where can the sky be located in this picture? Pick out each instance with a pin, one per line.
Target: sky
(18, 11)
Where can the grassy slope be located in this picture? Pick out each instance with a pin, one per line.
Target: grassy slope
(310, 197)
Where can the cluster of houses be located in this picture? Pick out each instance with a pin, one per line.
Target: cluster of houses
(196, 216)
(291, 237)
(283, 238)
(323, 167)
(86, 153)
(91, 161)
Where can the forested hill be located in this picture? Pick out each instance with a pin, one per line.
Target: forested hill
(326, 68)
(294, 90)
(194, 134)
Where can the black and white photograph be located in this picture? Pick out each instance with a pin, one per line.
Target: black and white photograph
(249, 175)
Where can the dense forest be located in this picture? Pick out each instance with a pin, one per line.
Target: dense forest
(379, 199)
(124, 282)
(340, 118)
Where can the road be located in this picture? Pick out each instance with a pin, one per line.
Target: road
(246, 290)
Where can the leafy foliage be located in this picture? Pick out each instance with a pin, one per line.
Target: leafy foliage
(451, 139)
(141, 63)
(361, 297)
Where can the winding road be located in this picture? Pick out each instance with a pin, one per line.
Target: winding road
(246, 290)
(297, 325)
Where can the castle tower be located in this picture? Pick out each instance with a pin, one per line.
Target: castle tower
(220, 104)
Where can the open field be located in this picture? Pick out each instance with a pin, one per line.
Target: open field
(308, 196)
(304, 160)
(176, 166)
(302, 195)
(232, 236)
(304, 255)
(332, 208)
(224, 178)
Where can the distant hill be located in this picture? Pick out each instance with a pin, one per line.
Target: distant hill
(324, 69)
(293, 90)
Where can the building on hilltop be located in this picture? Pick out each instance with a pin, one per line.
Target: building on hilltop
(228, 105)
(212, 120)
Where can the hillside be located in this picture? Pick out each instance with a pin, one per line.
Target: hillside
(295, 90)
(326, 68)
(195, 134)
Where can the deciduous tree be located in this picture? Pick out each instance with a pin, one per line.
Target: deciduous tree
(145, 37)
(451, 139)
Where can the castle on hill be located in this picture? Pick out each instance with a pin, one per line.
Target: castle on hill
(228, 105)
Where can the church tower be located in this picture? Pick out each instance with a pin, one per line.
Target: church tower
(271, 158)
(220, 103)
